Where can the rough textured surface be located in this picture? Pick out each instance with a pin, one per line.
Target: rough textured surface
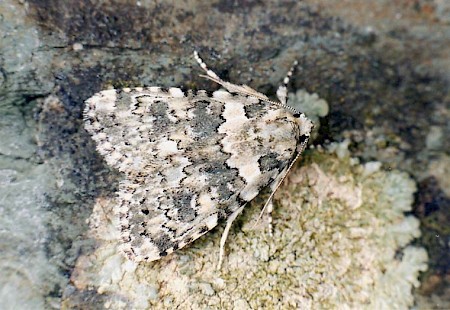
(382, 67)
(340, 239)
(23, 239)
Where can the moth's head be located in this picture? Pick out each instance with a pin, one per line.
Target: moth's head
(284, 130)
(304, 124)
(305, 127)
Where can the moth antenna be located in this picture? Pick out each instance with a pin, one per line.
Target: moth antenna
(210, 74)
(248, 91)
(282, 89)
(211, 78)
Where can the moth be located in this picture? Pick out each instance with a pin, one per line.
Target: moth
(191, 160)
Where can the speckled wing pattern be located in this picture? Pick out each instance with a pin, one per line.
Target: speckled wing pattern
(189, 160)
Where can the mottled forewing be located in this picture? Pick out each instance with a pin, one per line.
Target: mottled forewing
(189, 159)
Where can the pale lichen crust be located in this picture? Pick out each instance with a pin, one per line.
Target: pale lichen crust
(190, 159)
(342, 241)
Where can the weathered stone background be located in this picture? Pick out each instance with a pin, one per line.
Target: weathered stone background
(383, 67)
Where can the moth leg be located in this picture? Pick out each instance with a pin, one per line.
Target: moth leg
(225, 233)
(282, 90)
(268, 206)
(269, 216)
